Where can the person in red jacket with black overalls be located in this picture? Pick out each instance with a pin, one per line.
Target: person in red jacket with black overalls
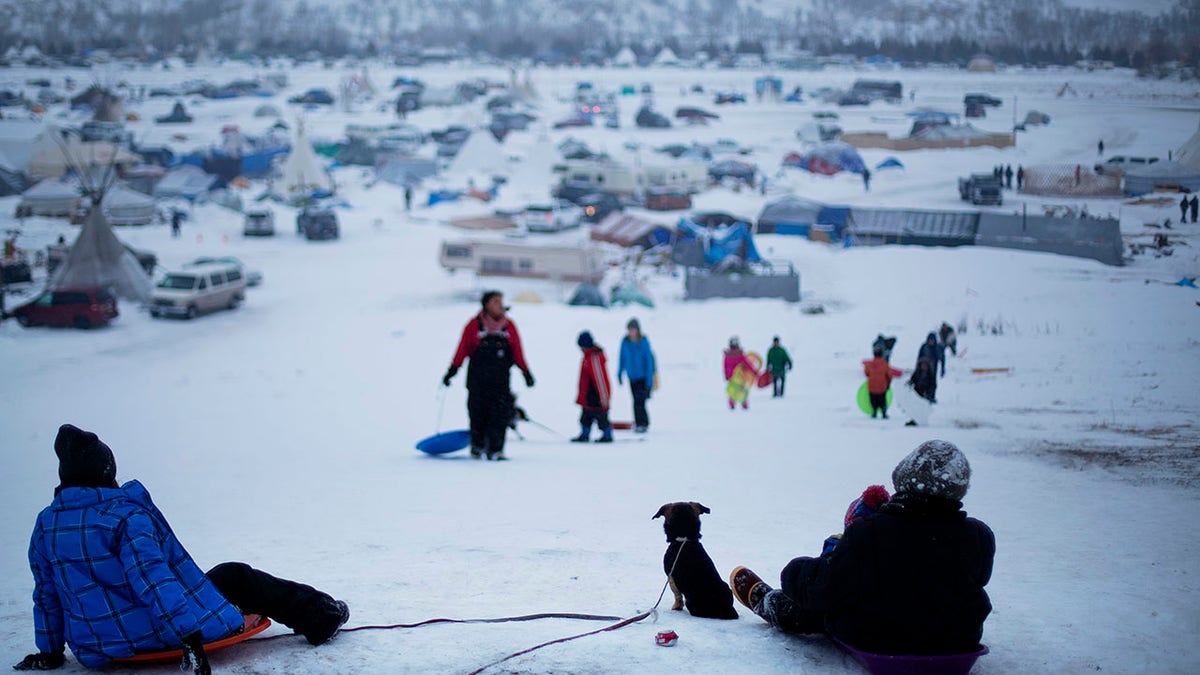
(595, 391)
(491, 341)
(879, 379)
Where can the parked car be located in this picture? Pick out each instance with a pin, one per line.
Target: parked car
(980, 188)
(597, 205)
(82, 307)
(722, 97)
(317, 223)
(975, 110)
(253, 277)
(689, 112)
(667, 199)
(111, 132)
(1124, 163)
(648, 118)
(313, 96)
(259, 224)
(576, 119)
(197, 289)
(981, 99)
(555, 217)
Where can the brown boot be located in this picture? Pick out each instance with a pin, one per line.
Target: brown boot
(747, 586)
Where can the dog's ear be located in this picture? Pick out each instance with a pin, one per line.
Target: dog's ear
(663, 511)
(699, 508)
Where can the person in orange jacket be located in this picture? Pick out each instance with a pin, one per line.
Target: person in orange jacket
(595, 391)
(879, 379)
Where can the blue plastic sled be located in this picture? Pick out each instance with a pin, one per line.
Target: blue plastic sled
(916, 664)
(445, 442)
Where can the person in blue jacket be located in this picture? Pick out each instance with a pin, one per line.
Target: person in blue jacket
(111, 580)
(637, 362)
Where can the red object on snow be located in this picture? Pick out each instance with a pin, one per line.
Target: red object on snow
(666, 638)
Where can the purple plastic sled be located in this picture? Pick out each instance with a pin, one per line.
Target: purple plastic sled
(447, 441)
(916, 664)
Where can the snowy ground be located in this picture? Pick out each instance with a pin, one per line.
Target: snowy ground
(282, 433)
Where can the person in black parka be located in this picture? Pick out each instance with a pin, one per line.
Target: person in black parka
(908, 580)
(934, 352)
(924, 382)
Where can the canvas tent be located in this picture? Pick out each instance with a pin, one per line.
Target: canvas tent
(51, 198)
(184, 181)
(587, 295)
(827, 159)
(57, 160)
(20, 141)
(1189, 153)
(666, 57)
(125, 206)
(98, 258)
(801, 217)
(302, 173)
(479, 155)
(625, 58)
(1162, 175)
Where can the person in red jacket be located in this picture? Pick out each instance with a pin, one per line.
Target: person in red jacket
(595, 391)
(879, 379)
(491, 342)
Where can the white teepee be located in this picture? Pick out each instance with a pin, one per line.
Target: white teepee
(302, 173)
(98, 258)
(1189, 153)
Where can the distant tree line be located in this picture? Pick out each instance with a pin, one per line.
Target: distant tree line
(1011, 31)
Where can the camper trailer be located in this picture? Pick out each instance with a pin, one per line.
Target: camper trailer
(506, 259)
(631, 181)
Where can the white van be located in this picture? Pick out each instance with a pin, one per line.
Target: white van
(198, 289)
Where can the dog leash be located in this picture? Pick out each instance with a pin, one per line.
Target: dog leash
(653, 611)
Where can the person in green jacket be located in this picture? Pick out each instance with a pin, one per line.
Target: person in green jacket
(778, 363)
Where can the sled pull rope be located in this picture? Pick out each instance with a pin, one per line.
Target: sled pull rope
(620, 624)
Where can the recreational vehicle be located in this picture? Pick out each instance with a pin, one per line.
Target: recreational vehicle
(627, 180)
(506, 259)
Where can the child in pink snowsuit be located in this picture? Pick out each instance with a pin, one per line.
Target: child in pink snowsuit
(734, 357)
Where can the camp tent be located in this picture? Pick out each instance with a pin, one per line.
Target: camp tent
(479, 155)
(666, 57)
(266, 110)
(20, 141)
(51, 197)
(98, 258)
(797, 216)
(625, 58)
(1189, 153)
(184, 181)
(125, 206)
(57, 160)
(587, 295)
(827, 159)
(302, 173)
(1169, 175)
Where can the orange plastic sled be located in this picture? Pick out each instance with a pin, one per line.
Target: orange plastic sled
(252, 625)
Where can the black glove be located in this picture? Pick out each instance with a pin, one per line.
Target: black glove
(41, 661)
(449, 375)
(528, 379)
(194, 657)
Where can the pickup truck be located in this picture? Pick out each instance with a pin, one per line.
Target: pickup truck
(980, 188)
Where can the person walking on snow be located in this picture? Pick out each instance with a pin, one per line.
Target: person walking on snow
(778, 362)
(924, 382)
(490, 340)
(734, 357)
(879, 379)
(934, 352)
(636, 361)
(111, 580)
(885, 345)
(1184, 203)
(949, 338)
(1195, 207)
(595, 391)
(909, 579)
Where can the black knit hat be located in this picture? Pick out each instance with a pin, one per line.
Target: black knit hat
(585, 340)
(83, 459)
(935, 469)
(488, 295)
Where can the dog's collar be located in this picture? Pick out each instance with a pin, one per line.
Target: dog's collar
(682, 539)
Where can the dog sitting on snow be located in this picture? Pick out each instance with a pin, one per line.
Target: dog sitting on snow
(690, 572)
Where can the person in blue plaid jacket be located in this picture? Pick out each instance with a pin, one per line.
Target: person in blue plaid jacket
(111, 580)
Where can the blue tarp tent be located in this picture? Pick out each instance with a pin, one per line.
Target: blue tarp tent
(827, 159)
(890, 163)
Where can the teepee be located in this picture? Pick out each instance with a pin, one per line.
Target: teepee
(1189, 153)
(97, 257)
(302, 172)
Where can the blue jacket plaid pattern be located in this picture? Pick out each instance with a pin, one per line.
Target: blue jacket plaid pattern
(111, 579)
